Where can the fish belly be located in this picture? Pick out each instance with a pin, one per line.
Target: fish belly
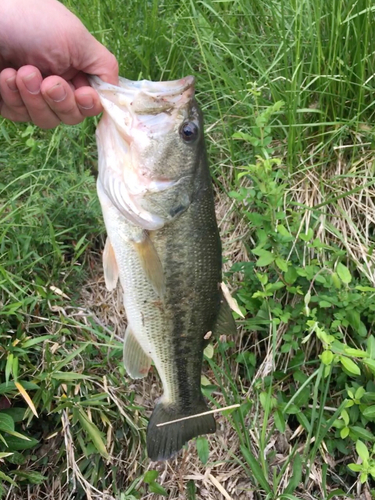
(146, 318)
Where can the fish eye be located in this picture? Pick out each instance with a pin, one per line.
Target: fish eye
(189, 131)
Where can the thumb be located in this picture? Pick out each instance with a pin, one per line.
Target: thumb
(93, 58)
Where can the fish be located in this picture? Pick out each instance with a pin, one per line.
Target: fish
(163, 245)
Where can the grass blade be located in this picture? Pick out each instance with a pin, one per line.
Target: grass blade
(256, 469)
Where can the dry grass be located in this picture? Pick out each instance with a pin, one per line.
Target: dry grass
(344, 196)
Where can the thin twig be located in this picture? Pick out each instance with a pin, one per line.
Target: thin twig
(217, 410)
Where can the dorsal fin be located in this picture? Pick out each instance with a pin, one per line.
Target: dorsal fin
(225, 324)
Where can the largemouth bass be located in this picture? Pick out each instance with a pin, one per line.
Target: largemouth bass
(163, 244)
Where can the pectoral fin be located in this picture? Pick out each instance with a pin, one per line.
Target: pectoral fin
(136, 362)
(150, 263)
(225, 324)
(110, 266)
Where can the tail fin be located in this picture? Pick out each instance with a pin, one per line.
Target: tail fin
(165, 441)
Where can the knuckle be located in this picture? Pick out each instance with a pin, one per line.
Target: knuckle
(14, 102)
(65, 112)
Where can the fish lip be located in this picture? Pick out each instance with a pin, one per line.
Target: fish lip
(145, 97)
(162, 89)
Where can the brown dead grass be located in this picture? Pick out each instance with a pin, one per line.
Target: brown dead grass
(344, 193)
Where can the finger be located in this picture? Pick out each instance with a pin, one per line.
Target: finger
(80, 80)
(106, 67)
(87, 98)
(69, 104)
(11, 114)
(8, 88)
(88, 101)
(11, 104)
(59, 95)
(29, 81)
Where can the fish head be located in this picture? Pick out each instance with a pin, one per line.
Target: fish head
(150, 140)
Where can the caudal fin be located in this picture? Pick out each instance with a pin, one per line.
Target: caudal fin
(165, 441)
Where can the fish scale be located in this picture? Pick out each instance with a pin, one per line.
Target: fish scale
(163, 243)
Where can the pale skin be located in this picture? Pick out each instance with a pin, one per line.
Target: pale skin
(45, 54)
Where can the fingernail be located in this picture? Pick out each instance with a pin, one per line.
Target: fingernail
(57, 93)
(32, 83)
(11, 82)
(86, 101)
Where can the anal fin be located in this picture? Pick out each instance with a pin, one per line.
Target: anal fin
(136, 361)
(110, 266)
(150, 263)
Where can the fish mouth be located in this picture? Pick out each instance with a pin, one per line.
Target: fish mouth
(146, 97)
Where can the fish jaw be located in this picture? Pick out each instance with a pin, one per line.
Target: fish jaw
(141, 127)
(125, 191)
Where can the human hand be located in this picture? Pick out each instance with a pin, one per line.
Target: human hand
(45, 52)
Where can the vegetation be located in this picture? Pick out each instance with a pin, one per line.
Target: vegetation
(286, 88)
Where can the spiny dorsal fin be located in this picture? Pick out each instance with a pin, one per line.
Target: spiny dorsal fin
(110, 266)
(137, 363)
(225, 324)
(150, 263)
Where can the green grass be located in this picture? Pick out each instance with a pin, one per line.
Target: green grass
(286, 88)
